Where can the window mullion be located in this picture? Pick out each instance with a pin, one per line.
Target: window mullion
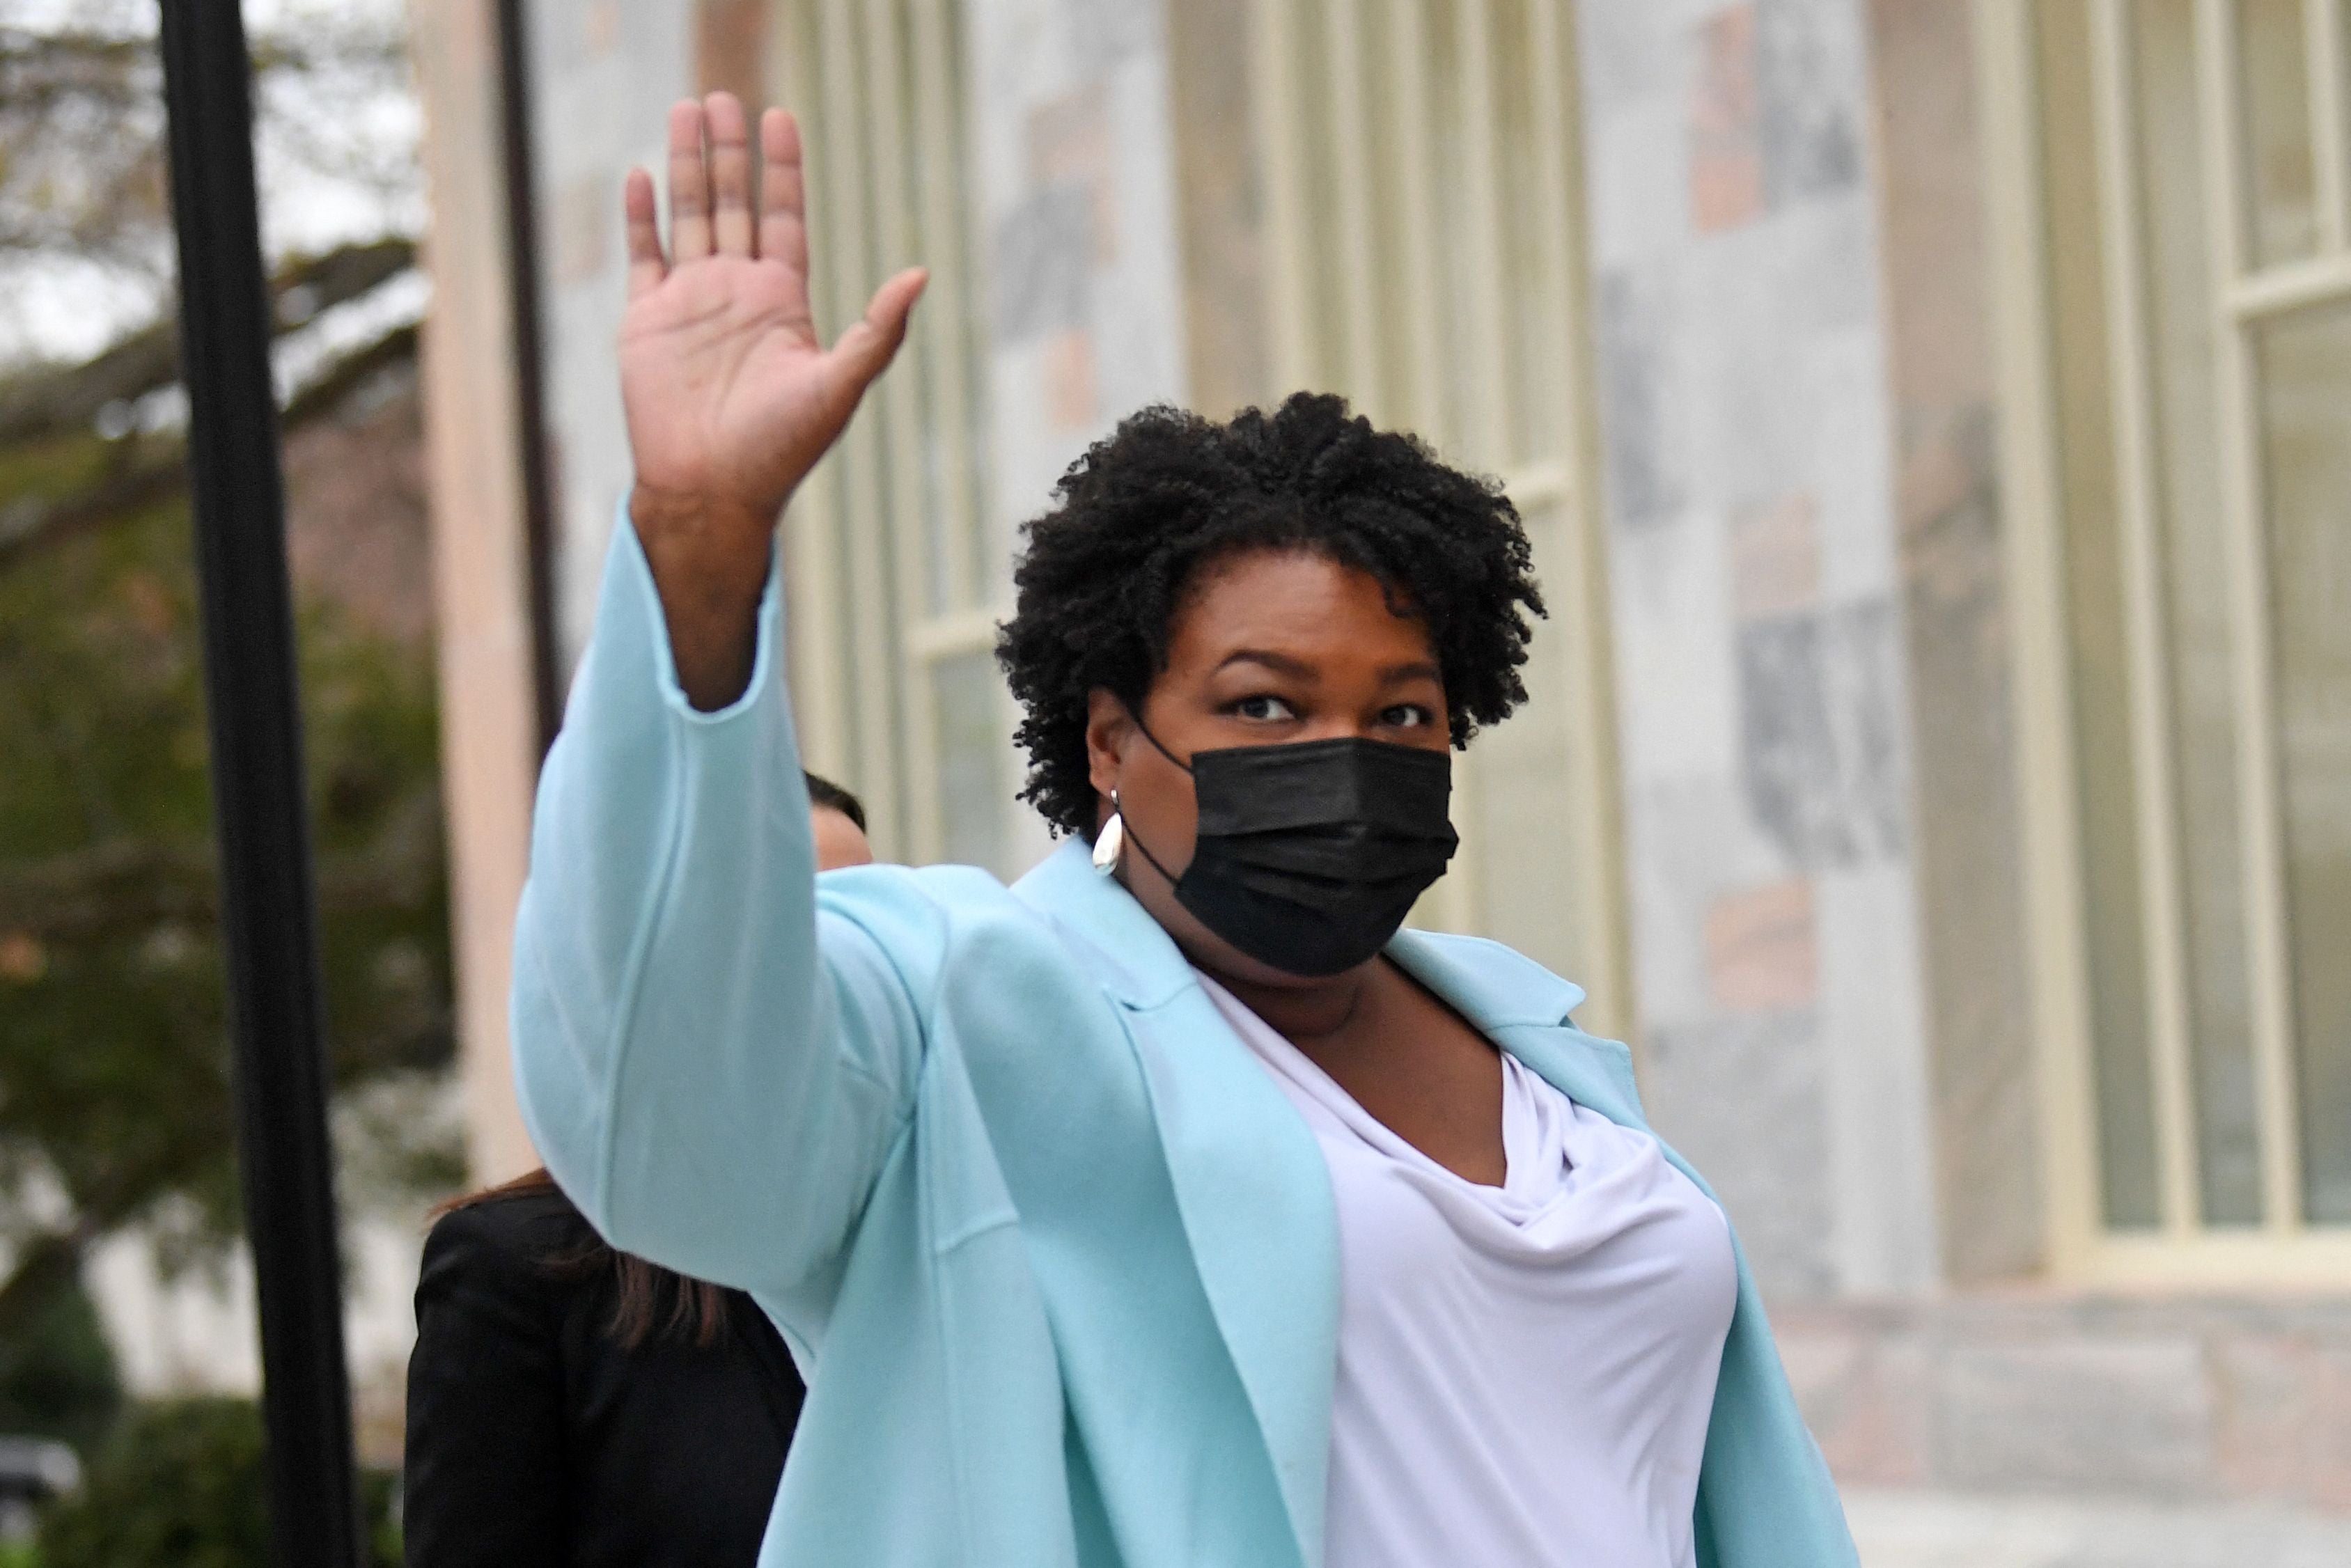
(945, 324)
(1349, 132)
(821, 700)
(1274, 89)
(1420, 385)
(843, 232)
(2130, 390)
(2261, 833)
(2330, 129)
(900, 401)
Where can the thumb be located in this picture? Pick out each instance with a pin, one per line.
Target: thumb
(865, 350)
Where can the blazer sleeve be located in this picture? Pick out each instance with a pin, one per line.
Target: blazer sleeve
(714, 1073)
(484, 1482)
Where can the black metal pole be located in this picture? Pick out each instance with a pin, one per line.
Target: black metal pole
(267, 904)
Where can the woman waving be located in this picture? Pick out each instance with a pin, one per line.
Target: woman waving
(1172, 1206)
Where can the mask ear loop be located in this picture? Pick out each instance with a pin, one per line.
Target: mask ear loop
(1156, 746)
(1111, 841)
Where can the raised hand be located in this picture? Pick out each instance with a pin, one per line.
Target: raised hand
(730, 397)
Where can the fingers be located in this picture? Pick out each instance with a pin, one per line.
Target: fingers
(689, 185)
(646, 268)
(866, 350)
(783, 201)
(730, 173)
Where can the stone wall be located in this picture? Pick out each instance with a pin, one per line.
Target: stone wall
(1766, 733)
(2180, 1399)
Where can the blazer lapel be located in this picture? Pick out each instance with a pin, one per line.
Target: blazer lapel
(1250, 1180)
(1524, 1008)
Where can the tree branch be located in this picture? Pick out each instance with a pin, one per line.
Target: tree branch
(157, 465)
(60, 399)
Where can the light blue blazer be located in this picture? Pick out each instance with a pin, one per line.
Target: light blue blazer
(1057, 1258)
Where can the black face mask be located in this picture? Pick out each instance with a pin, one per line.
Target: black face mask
(1310, 854)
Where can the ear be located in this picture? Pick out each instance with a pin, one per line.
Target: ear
(1108, 727)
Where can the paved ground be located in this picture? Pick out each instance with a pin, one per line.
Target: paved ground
(1918, 1530)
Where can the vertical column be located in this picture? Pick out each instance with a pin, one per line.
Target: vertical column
(489, 707)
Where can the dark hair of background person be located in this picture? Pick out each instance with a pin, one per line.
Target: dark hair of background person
(649, 1298)
(1161, 499)
(826, 795)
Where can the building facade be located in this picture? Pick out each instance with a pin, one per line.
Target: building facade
(1933, 421)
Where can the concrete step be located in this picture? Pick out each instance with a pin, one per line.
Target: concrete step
(1946, 1529)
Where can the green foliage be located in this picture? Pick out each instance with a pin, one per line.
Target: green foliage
(57, 1377)
(114, 1070)
(182, 1485)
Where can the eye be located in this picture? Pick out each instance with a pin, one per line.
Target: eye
(1407, 716)
(1263, 709)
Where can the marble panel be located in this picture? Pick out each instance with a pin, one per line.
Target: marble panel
(1070, 144)
(1775, 558)
(1740, 1099)
(1139, 311)
(1072, 398)
(1762, 948)
(1025, 456)
(1041, 257)
(1849, 449)
(1688, 840)
(1754, 307)
(1813, 76)
(1725, 165)
(1634, 154)
(1638, 398)
(1874, 1047)
(1626, 52)
(1104, 33)
(2128, 1413)
(1019, 57)
(1820, 733)
(1677, 699)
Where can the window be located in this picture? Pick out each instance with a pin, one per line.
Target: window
(2171, 176)
(1421, 195)
(892, 584)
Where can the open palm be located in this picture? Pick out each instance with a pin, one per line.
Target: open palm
(730, 396)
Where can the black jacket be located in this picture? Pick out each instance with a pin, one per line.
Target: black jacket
(536, 1441)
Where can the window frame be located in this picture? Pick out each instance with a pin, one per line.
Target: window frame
(2282, 1249)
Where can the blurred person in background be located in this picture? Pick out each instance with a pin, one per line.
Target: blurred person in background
(574, 1406)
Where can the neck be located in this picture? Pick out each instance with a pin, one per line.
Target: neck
(1305, 1013)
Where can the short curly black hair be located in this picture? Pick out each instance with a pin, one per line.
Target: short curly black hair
(1102, 574)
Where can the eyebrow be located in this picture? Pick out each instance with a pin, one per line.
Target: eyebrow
(1298, 669)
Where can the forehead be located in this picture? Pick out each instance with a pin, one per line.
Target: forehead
(1300, 603)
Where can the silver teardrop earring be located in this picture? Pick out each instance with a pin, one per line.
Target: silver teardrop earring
(1111, 840)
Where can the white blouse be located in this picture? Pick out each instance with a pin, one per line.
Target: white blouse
(1525, 1372)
